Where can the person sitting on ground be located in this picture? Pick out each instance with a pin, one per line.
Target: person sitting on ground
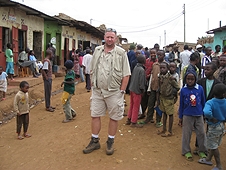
(38, 64)
(69, 90)
(23, 61)
(137, 88)
(215, 112)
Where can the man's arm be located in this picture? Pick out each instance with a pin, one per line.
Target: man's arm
(124, 83)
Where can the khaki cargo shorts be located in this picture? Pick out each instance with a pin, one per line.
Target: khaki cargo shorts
(114, 104)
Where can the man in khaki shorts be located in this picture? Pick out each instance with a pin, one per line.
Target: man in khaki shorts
(110, 73)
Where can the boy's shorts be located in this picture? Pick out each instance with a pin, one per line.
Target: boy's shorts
(114, 104)
(166, 105)
(214, 135)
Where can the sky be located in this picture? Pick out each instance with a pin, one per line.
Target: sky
(144, 22)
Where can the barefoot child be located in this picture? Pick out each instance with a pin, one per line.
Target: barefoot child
(21, 106)
(172, 70)
(69, 89)
(215, 112)
(3, 83)
(192, 101)
(165, 96)
(137, 88)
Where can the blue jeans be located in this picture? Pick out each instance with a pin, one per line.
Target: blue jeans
(81, 74)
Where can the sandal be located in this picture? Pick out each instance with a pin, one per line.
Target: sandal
(161, 132)
(50, 109)
(202, 155)
(188, 156)
(20, 137)
(27, 135)
(204, 161)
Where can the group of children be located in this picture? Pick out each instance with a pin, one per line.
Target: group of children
(193, 108)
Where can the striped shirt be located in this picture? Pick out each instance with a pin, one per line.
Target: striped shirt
(206, 59)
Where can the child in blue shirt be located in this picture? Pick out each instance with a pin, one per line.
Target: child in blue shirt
(192, 101)
(215, 112)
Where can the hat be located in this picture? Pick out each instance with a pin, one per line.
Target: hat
(69, 64)
(198, 46)
(190, 70)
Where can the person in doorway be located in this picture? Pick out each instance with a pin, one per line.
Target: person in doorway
(9, 61)
(72, 54)
(47, 77)
(110, 74)
(86, 68)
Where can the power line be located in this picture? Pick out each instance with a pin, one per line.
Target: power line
(169, 18)
(152, 27)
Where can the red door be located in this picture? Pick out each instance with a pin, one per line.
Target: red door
(2, 54)
(15, 48)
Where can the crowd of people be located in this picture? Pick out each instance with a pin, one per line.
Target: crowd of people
(202, 95)
(153, 81)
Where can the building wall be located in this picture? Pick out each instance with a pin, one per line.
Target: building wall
(17, 18)
(219, 38)
(52, 28)
(70, 33)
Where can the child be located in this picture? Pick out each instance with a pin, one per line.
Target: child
(69, 89)
(152, 90)
(221, 72)
(21, 106)
(47, 77)
(3, 82)
(137, 88)
(9, 61)
(209, 81)
(194, 61)
(167, 84)
(172, 69)
(215, 112)
(192, 101)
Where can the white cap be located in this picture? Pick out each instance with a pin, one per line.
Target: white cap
(198, 46)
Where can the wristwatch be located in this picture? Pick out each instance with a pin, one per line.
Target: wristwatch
(123, 91)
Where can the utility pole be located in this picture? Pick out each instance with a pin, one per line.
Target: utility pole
(164, 37)
(160, 40)
(184, 24)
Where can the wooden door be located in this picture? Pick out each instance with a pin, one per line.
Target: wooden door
(2, 54)
(15, 48)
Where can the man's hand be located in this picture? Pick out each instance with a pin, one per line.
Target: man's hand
(18, 114)
(62, 84)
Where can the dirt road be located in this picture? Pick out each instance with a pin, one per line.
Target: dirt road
(58, 146)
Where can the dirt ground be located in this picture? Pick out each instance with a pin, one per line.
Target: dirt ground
(58, 146)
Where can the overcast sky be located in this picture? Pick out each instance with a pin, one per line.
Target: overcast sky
(142, 21)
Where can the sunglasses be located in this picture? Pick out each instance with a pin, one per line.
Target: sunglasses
(110, 30)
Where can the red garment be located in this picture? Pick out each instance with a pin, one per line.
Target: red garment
(135, 100)
(80, 60)
(148, 67)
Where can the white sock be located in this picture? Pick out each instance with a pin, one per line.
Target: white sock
(95, 136)
(112, 137)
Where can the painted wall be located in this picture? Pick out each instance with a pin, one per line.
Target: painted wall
(17, 18)
(219, 37)
(69, 32)
(52, 28)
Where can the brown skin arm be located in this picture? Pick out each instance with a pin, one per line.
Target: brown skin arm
(125, 81)
(44, 74)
